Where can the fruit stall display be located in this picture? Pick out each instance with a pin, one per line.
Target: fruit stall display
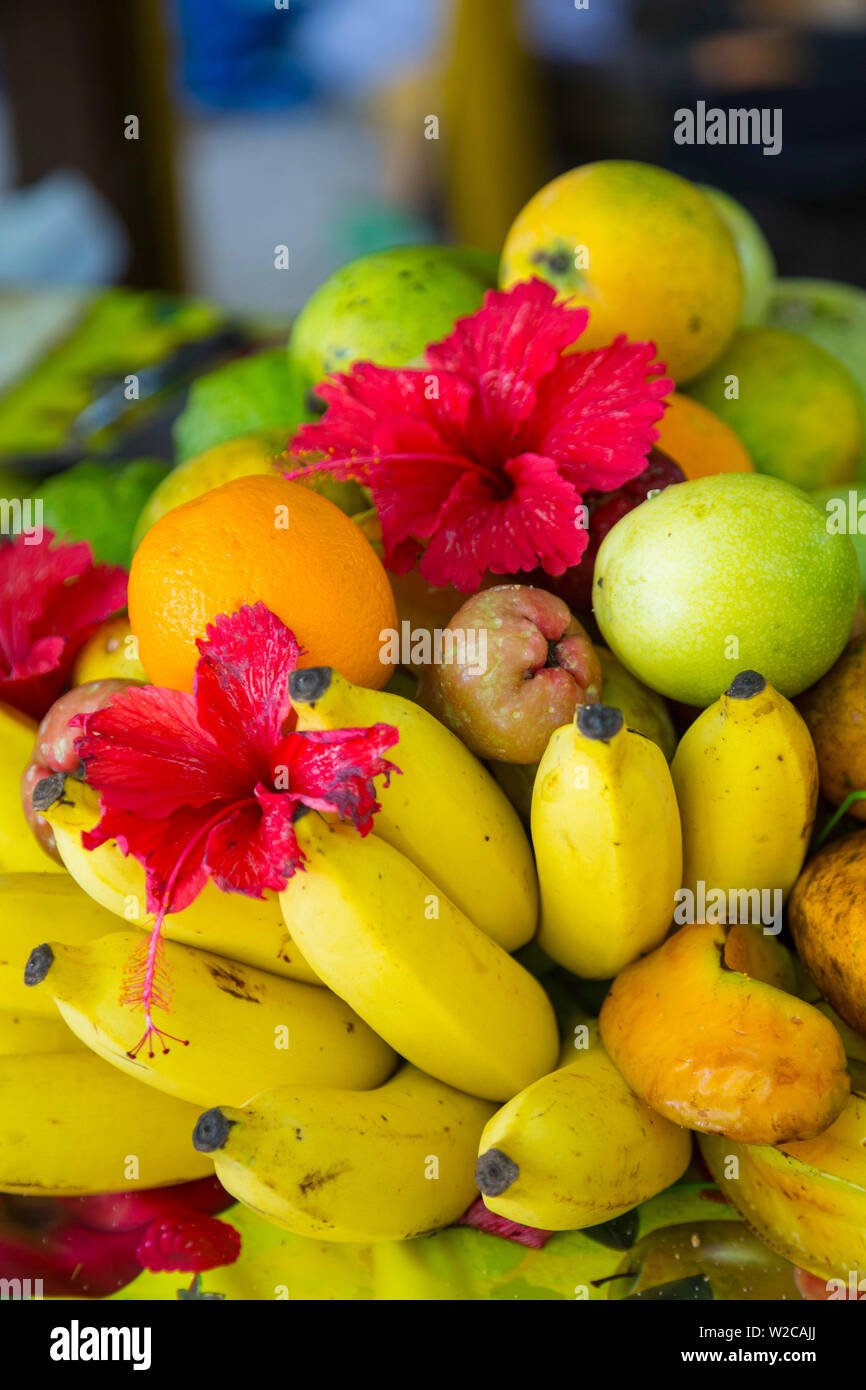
(432, 861)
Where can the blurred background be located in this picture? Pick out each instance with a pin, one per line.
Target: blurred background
(307, 124)
(224, 156)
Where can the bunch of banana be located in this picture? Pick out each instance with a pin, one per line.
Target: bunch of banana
(608, 843)
(379, 932)
(20, 851)
(746, 778)
(444, 811)
(337, 1165)
(577, 1147)
(74, 1125)
(250, 930)
(246, 1030)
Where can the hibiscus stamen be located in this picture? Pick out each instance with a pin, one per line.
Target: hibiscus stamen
(143, 986)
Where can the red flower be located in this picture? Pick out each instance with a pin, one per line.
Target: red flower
(205, 786)
(52, 598)
(479, 462)
(188, 1243)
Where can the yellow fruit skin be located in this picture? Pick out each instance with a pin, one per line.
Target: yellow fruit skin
(608, 847)
(643, 250)
(34, 908)
(71, 1125)
(246, 1030)
(443, 994)
(337, 1165)
(746, 779)
(26, 1034)
(110, 654)
(444, 811)
(20, 851)
(586, 1148)
(251, 930)
(808, 1199)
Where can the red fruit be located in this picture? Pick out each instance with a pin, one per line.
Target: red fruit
(605, 510)
(188, 1244)
(131, 1211)
(481, 1219)
(33, 773)
(69, 1259)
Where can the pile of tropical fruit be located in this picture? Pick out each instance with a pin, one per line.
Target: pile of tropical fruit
(448, 828)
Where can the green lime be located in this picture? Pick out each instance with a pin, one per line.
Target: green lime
(251, 394)
(100, 502)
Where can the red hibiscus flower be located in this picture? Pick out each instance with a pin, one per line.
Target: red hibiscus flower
(479, 462)
(205, 786)
(52, 598)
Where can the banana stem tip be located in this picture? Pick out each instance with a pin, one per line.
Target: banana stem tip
(39, 962)
(495, 1172)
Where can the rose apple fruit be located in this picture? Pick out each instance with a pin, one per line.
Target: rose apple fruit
(528, 665)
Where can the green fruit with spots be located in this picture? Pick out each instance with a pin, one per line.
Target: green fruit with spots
(386, 307)
(795, 408)
(756, 258)
(721, 574)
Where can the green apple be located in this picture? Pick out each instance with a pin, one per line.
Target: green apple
(386, 307)
(796, 409)
(756, 258)
(721, 574)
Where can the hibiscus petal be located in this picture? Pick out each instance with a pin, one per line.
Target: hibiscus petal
(146, 753)
(255, 848)
(333, 770)
(596, 412)
(505, 350)
(242, 685)
(157, 845)
(538, 524)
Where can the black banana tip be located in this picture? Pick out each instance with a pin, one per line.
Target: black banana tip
(745, 685)
(211, 1131)
(310, 684)
(39, 962)
(48, 791)
(601, 722)
(495, 1172)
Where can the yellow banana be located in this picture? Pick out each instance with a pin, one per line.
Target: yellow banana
(245, 1030)
(26, 1034)
(72, 1125)
(251, 930)
(746, 778)
(20, 851)
(440, 991)
(577, 1147)
(608, 844)
(33, 907)
(807, 1200)
(444, 811)
(365, 1166)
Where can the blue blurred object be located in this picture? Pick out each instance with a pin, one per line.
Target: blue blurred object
(60, 231)
(237, 55)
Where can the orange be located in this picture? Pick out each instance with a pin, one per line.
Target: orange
(260, 538)
(699, 441)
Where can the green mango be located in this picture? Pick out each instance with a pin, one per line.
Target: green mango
(386, 307)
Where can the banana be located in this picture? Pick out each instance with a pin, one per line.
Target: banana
(20, 851)
(33, 907)
(70, 1125)
(440, 991)
(807, 1200)
(246, 1030)
(26, 1034)
(746, 778)
(577, 1147)
(250, 930)
(444, 811)
(365, 1166)
(608, 844)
